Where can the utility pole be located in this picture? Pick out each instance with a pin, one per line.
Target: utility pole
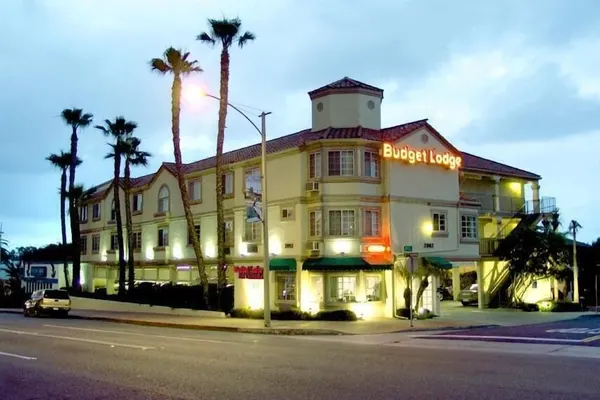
(265, 221)
(574, 226)
(1, 232)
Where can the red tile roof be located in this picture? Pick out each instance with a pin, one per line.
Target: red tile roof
(471, 163)
(344, 84)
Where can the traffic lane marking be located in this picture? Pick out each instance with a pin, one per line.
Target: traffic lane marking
(17, 356)
(499, 338)
(75, 339)
(138, 334)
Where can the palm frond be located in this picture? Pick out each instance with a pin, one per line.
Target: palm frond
(159, 65)
(206, 38)
(245, 38)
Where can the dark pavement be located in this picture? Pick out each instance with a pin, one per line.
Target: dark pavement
(73, 359)
(582, 331)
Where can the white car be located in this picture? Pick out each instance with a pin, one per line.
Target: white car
(48, 301)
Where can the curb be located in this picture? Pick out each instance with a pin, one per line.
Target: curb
(262, 331)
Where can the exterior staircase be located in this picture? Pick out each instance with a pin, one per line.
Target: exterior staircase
(529, 216)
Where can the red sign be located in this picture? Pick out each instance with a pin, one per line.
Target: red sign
(423, 156)
(250, 272)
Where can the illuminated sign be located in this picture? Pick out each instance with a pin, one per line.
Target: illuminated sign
(249, 272)
(425, 156)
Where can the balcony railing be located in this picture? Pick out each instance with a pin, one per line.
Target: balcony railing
(513, 205)
(488, 246)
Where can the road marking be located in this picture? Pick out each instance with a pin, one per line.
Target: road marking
(138, 334)
(532, 339)
(17, 356)
(111, 344)
(591, 339)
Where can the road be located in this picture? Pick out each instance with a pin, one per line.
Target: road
(73, 359)
(582, 331)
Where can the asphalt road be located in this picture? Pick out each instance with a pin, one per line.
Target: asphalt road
(73, 359)
(582, 331)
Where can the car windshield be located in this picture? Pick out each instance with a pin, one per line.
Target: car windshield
(473, 287)
(56, 294)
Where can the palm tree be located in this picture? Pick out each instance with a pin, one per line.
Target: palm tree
(75, 118)
(175, 62)
(226, 32)
(133, 157)
(62, 161)
(120, 130)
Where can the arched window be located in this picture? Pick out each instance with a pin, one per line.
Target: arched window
(163, 199)
(113, 211)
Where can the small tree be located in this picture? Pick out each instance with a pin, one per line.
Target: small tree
(536, 252)
(424, 272)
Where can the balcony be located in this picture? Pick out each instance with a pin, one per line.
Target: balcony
(507, 204)
(487, 246)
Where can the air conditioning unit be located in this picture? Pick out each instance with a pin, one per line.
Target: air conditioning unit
(312, 186)
(314, 249)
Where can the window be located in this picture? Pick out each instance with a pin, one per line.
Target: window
(314, 165)
(439, 222)
(83, 244)
(341, 163)
(371, 160)
(287, 213)
(136, 202)
(114, 241)
(315, 224)
(83, 214)
(252, 182)
(534, 285)
(163, 237)
(137, 240)
(286, 286)
(341, 222)
(371, 223)
(468, 226)
(252, 231)
(373, 285)
(113, 211)
(163, 199)
(228, 231)
(195, 190)
(197, 232)
(342, 289)
(227, 180)
(95, 243)
(96, 211)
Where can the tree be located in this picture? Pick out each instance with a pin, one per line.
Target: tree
(133, 157)
(226, 32)
(539, 252)
(120, 130)
(424, 272)
(177, 63)
(76, 119)
(63, 161)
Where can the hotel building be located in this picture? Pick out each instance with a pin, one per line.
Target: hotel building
(349, 202)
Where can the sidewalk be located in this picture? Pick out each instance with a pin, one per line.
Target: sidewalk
(378, 326)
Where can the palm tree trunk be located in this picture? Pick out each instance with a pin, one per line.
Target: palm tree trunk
(422, 286)
(175, 110)
(129, 224)
(74, 216)
(121, 250)
(223, 94)
(63, 223)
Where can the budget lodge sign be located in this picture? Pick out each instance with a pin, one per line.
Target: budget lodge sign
(421, 156)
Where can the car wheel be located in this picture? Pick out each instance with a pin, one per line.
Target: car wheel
(440, 296)
(36, 312)
(25, 312)
(464, 303)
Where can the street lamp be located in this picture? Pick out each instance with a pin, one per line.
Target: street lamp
(265, 207)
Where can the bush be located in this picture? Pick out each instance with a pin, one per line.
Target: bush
(403, 312)
(558, 306)
(529, 307)
(295, 315)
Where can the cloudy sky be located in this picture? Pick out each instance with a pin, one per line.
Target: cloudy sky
(515, 81)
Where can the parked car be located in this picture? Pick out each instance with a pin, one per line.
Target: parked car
(444, 293)
(48, 301)
(469, 296)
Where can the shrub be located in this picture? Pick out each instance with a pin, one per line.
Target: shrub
(529, 307)
(336, 315)
(558, 306)
(403, 312)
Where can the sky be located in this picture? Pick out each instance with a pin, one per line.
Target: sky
(514, 81)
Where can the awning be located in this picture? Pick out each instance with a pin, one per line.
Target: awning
(341, 264)
(282, 264)
(438, 262)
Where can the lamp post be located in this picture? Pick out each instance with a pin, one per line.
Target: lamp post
(265, 207)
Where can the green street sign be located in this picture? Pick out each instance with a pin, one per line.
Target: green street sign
(408, 249)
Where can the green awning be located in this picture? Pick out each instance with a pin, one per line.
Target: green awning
(341, 264)
(438, 262)
(282, 264)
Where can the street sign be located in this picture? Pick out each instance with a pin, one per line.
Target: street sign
(408, 249)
